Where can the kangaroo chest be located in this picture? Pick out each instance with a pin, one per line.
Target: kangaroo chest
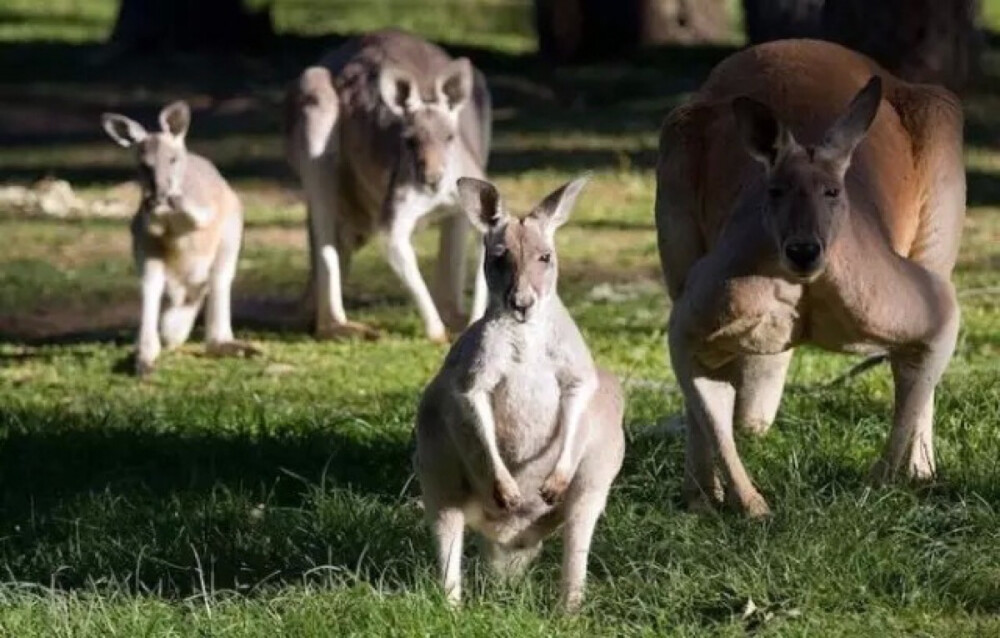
(526, 410)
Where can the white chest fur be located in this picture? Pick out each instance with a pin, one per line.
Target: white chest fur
(526, 404)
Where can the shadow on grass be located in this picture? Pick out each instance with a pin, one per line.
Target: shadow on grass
(110, 496)
(61, 324)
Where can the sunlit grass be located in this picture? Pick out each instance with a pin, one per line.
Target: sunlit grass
(274, 496)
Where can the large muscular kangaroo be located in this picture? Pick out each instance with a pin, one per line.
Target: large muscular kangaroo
(378, 133)
(805, 195)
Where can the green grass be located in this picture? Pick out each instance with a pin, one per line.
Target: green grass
(274, 496)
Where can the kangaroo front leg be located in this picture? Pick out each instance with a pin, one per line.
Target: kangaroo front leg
(916, 372)
(576, 398)
(506, 492)
(403, 261)
(148, 347)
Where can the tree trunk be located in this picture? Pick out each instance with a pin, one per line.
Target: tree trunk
(920, 40)
(578, 30)
(156, 25)
(934, 41)
(767, 20)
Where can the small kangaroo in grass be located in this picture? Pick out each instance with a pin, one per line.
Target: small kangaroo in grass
(186, 237)
(378, 132)
(519, 433)
(805, 195)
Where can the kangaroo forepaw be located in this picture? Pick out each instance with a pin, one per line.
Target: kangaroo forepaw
(506, 493)
(554, 487)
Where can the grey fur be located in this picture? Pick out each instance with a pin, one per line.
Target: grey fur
(388, 87)
(519, 433)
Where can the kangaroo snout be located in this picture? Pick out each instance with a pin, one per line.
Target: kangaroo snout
(804, 256)
(520, 303)
(432, 178)
(429, 171)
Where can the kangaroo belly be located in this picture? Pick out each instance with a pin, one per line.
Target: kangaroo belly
(526, 411)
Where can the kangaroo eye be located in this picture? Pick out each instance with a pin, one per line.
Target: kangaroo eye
(831, 192)
(546, 258)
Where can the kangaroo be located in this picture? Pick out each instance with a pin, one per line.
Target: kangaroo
(805, 195)
(519, 432)
(185, 237)
(378, 134)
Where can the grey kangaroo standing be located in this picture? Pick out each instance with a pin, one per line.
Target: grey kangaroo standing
(519, 433)
(378, 133)
(185, 237)
(805, 195)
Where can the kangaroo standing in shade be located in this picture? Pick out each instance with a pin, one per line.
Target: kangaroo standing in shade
(519, 433)
(378, 133)
(186, 237)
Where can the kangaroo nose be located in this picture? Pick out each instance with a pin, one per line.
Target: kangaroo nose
(520, 303)
(803, 255)
(432, 178)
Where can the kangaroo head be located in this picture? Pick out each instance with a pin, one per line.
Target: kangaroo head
(521, 267)
(805, 202)
(429, 120)
(162, 156)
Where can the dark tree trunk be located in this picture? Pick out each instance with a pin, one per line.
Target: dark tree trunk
(577, 30)
(156, 25)
(921, 40)
(767, 20)
(935, 41)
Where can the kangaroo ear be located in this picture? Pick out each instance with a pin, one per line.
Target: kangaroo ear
(175, 118)
(850, 128)
(764, 137)
(399, 90)
(554, 210)
(454, 83)
(481, 202)
(124, 131)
